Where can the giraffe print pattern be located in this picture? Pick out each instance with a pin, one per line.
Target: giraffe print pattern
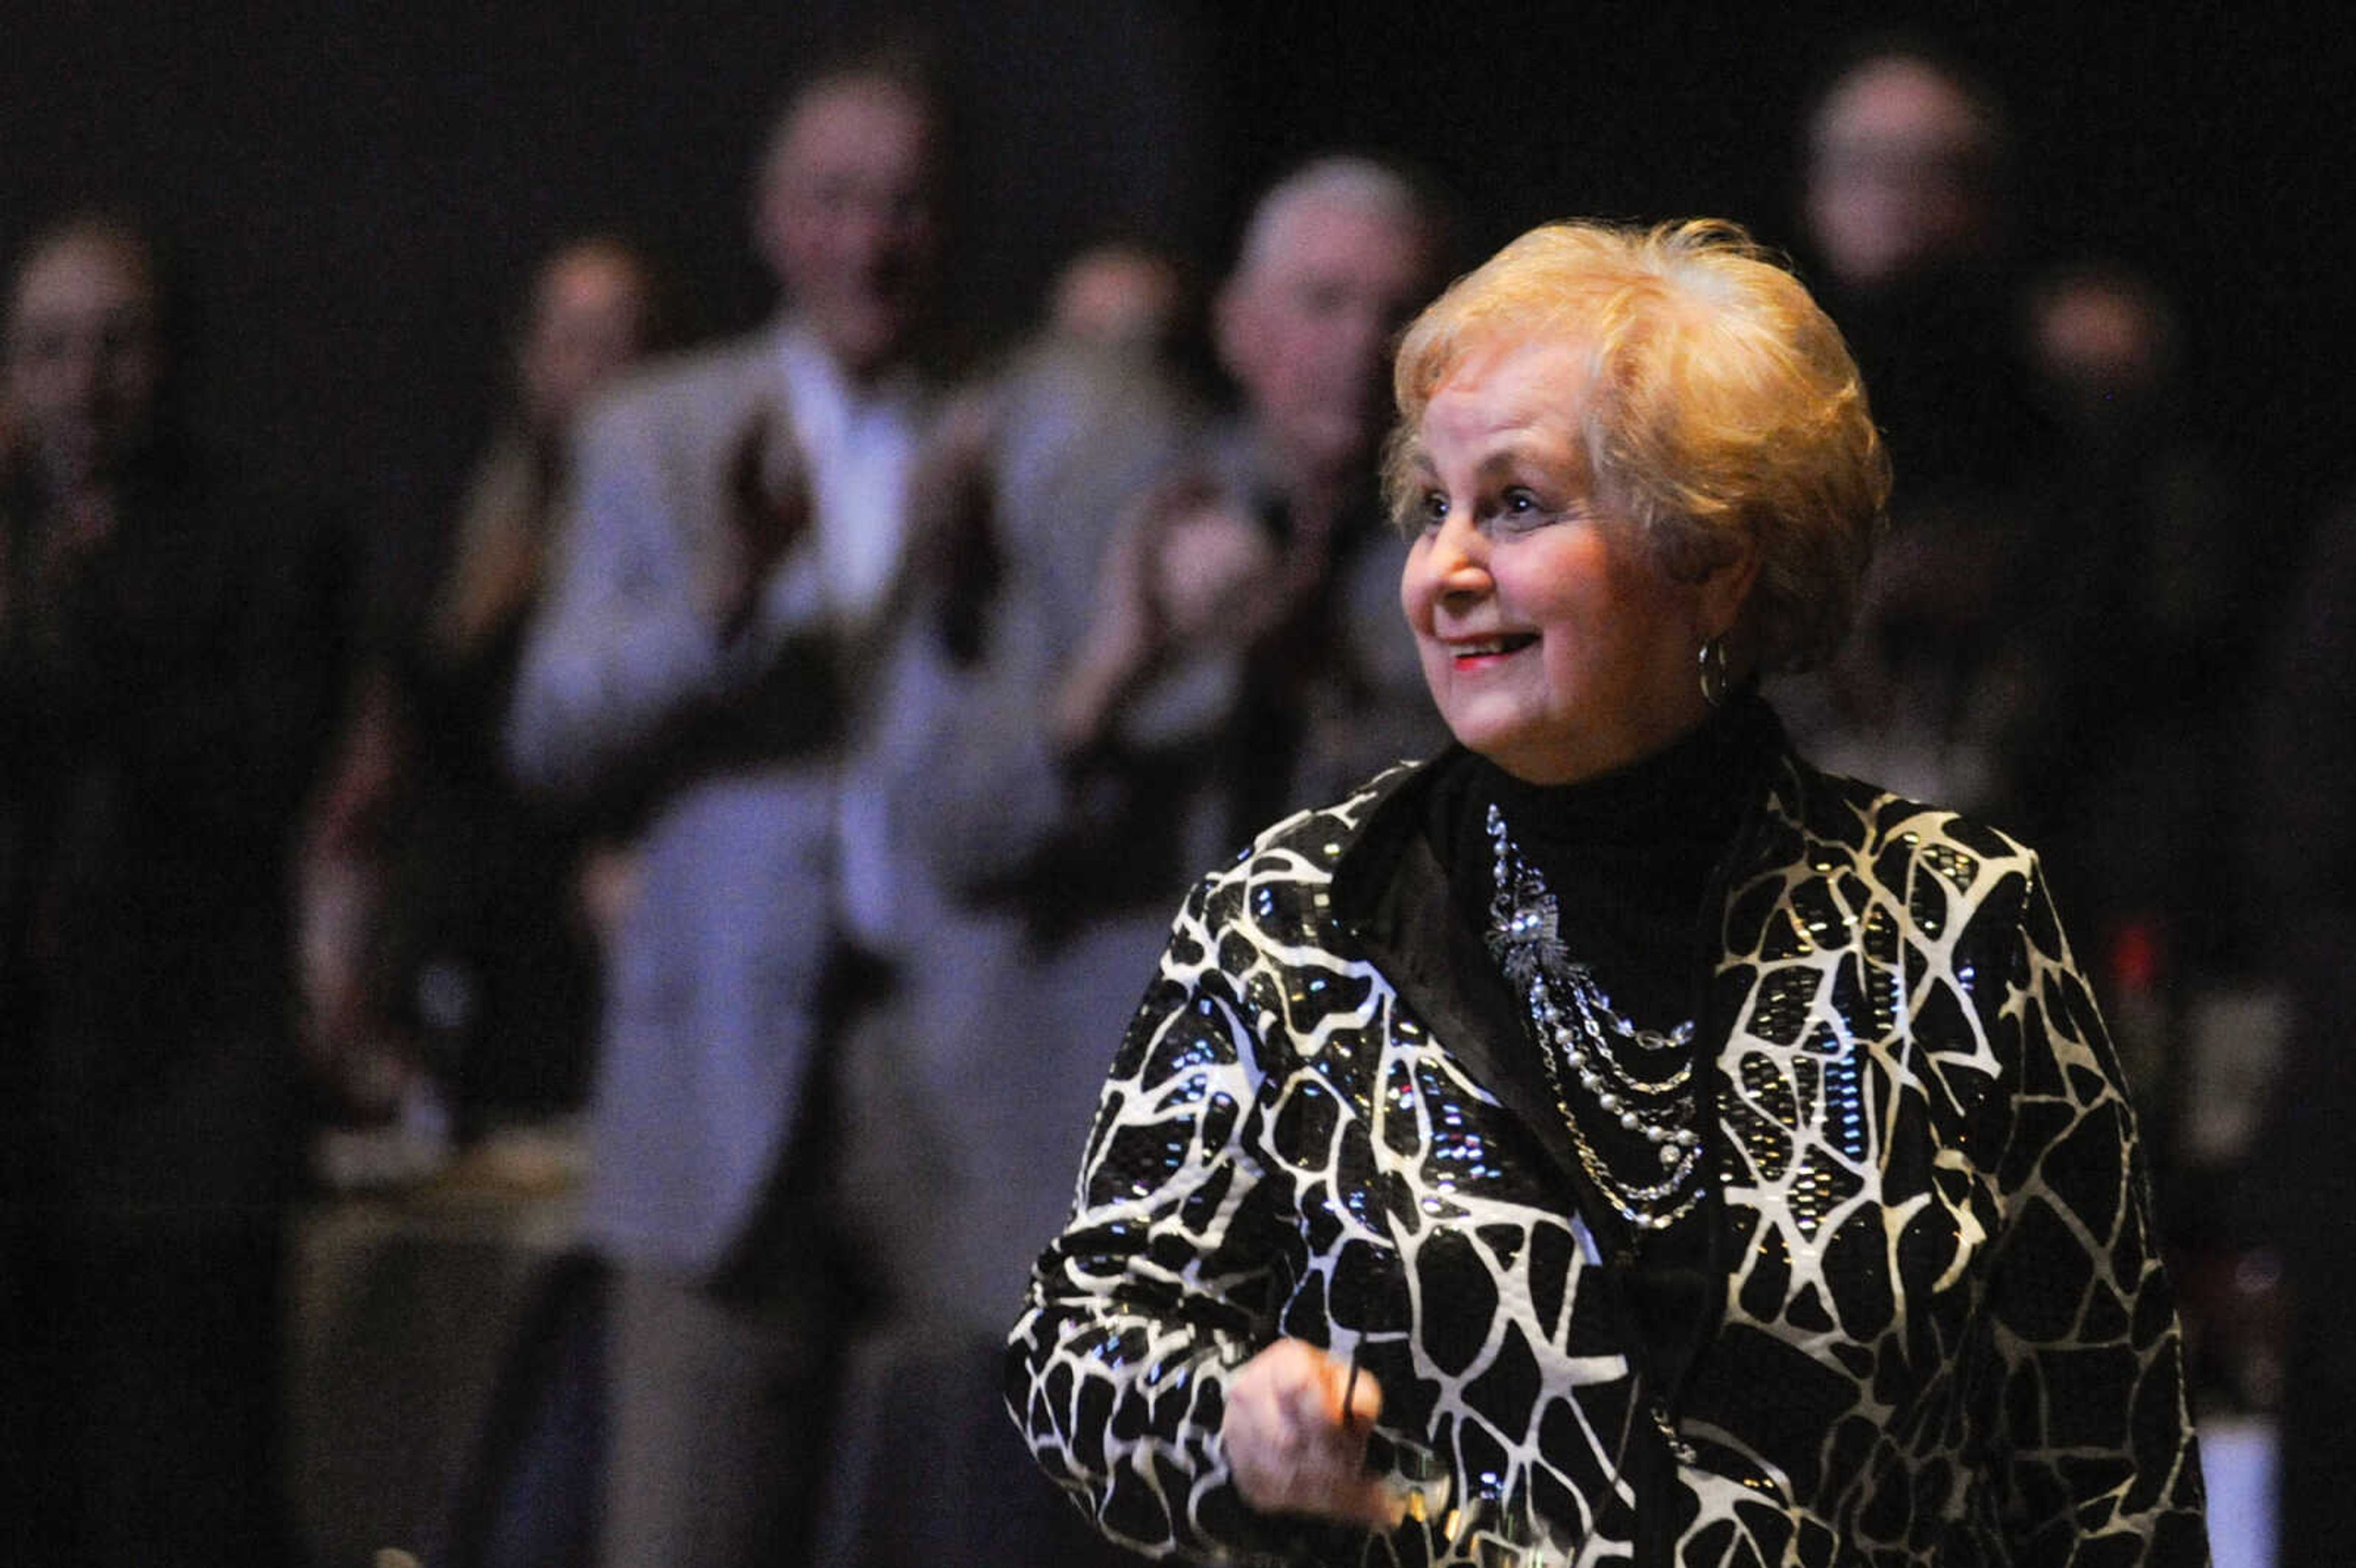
(1945, 1337)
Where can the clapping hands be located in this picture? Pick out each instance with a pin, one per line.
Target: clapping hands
(765, 496)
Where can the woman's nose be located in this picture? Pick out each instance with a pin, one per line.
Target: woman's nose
(1458, 561)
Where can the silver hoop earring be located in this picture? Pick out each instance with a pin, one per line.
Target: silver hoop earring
(1710, 664)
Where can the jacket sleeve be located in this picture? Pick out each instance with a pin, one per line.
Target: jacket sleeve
(975, 822)
(2099, 1462)
(1163, 1282)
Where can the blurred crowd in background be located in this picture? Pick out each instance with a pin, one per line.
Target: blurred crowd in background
(780, 795)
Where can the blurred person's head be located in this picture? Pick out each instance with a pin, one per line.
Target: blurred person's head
(847, 212)
(1122, 295)
(596, 309)
(1678, 431)
(1336, 258)
(1903, 172)
(2103, 342)
(85, 353)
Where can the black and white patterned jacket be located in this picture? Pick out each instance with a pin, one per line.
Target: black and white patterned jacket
(1944, 1335)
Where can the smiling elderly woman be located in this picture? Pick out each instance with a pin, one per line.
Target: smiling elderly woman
(1614, 1140)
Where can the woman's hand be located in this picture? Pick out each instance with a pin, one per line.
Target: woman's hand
(1296, 1436)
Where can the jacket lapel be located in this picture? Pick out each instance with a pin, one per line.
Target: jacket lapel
(1392, 892)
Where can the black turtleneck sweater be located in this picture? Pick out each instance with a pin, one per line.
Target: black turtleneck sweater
(1633, 859)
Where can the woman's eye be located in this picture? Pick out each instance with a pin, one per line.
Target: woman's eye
(1434, 510)
(1520, 506)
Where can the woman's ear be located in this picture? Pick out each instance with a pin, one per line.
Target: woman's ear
(1725, 585)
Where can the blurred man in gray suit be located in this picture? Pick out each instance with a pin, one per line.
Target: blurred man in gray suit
(726, 566)
(1184, 628)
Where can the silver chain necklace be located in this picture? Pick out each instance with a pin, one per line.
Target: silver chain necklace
(1643, 1078)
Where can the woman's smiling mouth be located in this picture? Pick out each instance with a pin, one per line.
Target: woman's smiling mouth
(1473, 650)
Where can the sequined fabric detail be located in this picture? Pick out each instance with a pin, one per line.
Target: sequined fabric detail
(1933, 1208)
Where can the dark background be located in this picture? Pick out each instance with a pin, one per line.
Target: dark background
(357, 189)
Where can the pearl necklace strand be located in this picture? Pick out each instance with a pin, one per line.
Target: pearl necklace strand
(1643, 1078)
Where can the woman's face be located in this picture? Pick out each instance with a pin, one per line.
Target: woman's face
(1553, 644)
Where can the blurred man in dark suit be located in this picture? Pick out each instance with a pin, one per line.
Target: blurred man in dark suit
(169, 658)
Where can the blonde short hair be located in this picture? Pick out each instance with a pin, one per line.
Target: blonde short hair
(1722, 403)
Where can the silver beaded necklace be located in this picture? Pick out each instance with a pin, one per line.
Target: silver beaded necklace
(1640, 1077)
